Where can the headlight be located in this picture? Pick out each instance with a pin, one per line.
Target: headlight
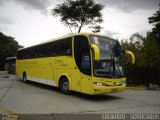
(123, 82)
(99, 84)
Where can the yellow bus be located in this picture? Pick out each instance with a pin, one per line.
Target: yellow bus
(85, 62)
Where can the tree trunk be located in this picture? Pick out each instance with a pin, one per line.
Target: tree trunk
(80, 29)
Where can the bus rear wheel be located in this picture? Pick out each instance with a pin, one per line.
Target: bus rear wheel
(64, 86)
(24, 77)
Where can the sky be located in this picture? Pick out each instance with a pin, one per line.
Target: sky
(31, 22)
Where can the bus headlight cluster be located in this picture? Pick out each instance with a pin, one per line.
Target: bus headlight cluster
(99, 84)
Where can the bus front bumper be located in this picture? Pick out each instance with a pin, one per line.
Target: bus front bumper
(98, 90)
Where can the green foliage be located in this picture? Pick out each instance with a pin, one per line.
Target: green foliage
(8, 48)
(147, 53)
(80, 13)
(134, 44)
(155, 21)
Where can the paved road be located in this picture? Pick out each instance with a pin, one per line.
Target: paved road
(33, 98)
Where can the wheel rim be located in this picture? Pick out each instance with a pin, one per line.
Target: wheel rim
(65, 86)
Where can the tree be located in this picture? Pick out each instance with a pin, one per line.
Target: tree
(134, 72)
(80, 13)
(147, 67)
(154, 38)
(8, 48)
(155, 21)
(147, 53)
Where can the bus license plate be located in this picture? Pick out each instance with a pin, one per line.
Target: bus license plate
(114, 90)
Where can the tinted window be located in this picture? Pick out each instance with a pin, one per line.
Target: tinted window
(82, 54)
(56, 48)
(61, 47)
(65, 47)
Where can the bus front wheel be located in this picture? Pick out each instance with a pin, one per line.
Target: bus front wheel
(64, 86)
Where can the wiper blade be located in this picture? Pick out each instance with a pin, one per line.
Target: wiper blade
(118, 69)
(115, 63)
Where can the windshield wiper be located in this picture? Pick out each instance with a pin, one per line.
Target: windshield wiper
(114, 67)
(118, 69)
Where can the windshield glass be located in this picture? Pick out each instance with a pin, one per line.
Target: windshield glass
(111, 63)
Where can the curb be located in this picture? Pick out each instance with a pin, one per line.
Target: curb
(135, 88)
(8, 114)
(5, 109)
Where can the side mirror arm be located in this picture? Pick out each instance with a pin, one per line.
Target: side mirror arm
(131, 54)
(96, 51)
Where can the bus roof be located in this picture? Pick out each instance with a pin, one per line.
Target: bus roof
(66, 36)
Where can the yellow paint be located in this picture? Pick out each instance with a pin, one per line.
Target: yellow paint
(53, 68)
(96, 51)
(131, 54)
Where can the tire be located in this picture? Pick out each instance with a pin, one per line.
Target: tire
(24, 77)
(64, 86)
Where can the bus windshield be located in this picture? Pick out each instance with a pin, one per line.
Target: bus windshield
(111, 63)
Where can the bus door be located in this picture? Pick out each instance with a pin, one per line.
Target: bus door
(82, 59)
(85, 73)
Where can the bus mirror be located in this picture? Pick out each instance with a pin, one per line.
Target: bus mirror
(131, 54)
(96, 52)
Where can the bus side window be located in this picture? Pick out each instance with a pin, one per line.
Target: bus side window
(48, 50)
(64, 47)
(42, 51)
(54, 50)
(29, 53)
(35, 55)
(19, 54)
(82, 54)
(67, 46)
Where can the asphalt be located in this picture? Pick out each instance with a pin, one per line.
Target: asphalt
(37, 101)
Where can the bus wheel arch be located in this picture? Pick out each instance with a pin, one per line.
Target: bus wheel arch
(24, 76)
(64, 85)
